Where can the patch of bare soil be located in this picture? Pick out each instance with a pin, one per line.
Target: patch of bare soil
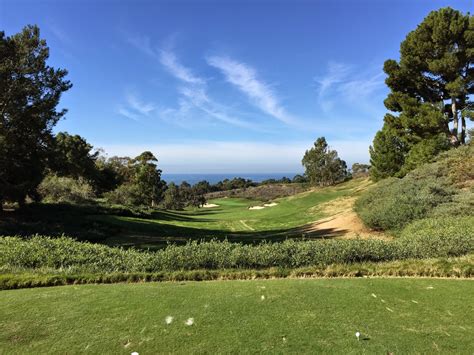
(342, 223)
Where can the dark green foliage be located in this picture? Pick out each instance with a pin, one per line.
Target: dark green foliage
(172, 198)
(283, 180)
(148, 179)
(435, 66)
(30, 90)
(60, 189)
(322, 165)
(72, 156)
(431, 87)
(424, 152)
(387, 154)
(126, 194)
(138, 180)
(232, 184)
(299, 179)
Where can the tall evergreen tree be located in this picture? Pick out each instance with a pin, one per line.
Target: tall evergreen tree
(30, 91)
(431, 88)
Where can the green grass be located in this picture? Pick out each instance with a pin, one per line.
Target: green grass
(232, 220)
(296, 316)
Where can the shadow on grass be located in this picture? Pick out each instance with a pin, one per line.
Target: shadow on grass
(96, 223)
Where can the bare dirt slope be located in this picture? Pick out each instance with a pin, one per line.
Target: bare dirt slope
(342, 221)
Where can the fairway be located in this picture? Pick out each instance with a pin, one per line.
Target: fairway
(392, 315)
(233, 218)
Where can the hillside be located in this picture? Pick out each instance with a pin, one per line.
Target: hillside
(438, 191)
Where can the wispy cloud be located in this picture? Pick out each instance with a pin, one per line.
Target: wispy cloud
(336, 73)
(169, 61)
(343, 84)
(361, 88)
(193, 95)
(246, 80)
(135, 108)
(194, 92)
(142, 43)
(136, 104)
(126, 113)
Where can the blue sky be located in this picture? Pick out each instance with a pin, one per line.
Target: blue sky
(223, 86)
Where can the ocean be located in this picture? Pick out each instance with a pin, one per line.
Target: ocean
(214, 178)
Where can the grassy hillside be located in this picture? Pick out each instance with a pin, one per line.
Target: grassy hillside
(278, 316)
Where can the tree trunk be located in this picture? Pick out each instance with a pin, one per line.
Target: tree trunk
(463, 129)
(454, 132)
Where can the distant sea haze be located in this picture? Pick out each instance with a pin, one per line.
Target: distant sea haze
(214, 178)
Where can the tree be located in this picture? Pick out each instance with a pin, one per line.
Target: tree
(72, 156)
(431, 87)
(360, 170)
(387, 154)
(172, 198)
(323, 166)
(436, 68)
(148, 178)
(30, 91)
(299, 179)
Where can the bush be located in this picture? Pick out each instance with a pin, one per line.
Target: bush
(126, 194)
(440, 227)
(66, 254)
(442, 188)
(393, 203)
(56, 189)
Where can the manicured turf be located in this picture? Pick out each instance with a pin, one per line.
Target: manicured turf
(298, 316)
(231, 219)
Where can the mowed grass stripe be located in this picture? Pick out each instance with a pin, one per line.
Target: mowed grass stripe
(294, 316)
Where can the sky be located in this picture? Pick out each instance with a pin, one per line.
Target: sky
(223, 86)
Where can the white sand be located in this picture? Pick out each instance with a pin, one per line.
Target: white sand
(270, 204)
(256, 208)
(210, 205)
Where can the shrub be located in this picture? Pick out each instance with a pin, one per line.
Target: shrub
(66, 254)
(126, 194)
(442, 188)
(393, 203)
(58, 189)
(441, 227)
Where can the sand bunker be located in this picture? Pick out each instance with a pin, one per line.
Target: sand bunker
(210, 205)
(264, 206)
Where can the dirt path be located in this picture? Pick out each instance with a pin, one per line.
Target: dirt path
(343, 222)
